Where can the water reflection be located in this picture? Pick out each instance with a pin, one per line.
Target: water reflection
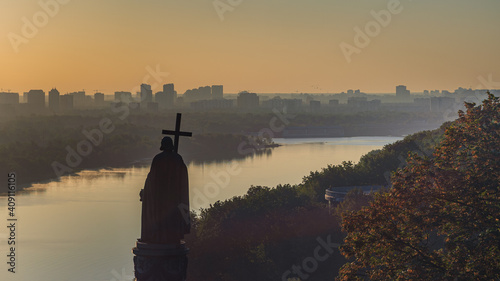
(219, 159)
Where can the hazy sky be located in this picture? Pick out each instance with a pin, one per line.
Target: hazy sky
(256, 45)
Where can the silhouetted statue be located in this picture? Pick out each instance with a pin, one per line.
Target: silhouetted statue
(165, 198)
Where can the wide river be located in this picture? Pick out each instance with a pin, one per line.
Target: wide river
(82, 228)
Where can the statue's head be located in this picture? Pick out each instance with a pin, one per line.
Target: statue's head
(167, 144)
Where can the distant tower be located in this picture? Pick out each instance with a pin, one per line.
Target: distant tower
(170, 95)
(66, 102)
(402, 92)
(315, 105)
(99, 99)
(36, 99)
(247, 100)
(146, 94)
(9, 98)
(125, 97)
(205, 93)
(217, 92)
(54, 100)
(79, 99)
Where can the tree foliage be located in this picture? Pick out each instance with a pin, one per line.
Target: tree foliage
(260, 235)
(441, 219)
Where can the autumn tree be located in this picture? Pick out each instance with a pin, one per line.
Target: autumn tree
(441, 219)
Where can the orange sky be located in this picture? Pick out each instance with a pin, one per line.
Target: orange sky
(261, 46)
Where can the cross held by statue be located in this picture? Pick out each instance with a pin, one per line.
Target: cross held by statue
(177, 133)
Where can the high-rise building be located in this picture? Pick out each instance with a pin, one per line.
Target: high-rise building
(168, 88)
(423, 104)
(292, 104)
(161, 100)
(217, 92)
(247, 100)
(146, 94)
(170, 95)
(333, 102)
(125, 97)
(36, 99)
(99, 99)
(54, 99)
(66, 102)
(79, 99)
(279, 103)
(9, 98)
(205, 93)
(315, 105)
(202, 93)
(442, 104)
(212, 104)
(402, 92)
(356, 101)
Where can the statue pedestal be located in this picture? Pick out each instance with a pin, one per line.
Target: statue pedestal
(160, 262)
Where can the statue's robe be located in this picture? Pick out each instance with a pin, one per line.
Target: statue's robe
(165, 201)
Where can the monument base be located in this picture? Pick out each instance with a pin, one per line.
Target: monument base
(160, 262)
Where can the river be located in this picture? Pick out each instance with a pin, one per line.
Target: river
(83, 227)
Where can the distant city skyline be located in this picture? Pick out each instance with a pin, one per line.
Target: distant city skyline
(189, 91)
(210, 98)
(261, 46)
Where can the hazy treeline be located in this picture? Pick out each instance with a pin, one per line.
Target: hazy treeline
(230, 122)
(31, 145)
(373, 168)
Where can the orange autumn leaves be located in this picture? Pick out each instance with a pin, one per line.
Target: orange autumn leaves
(440, 220)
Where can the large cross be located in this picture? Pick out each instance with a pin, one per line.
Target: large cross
(177, 133)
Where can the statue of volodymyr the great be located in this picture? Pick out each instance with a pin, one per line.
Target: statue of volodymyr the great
(165, 198)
